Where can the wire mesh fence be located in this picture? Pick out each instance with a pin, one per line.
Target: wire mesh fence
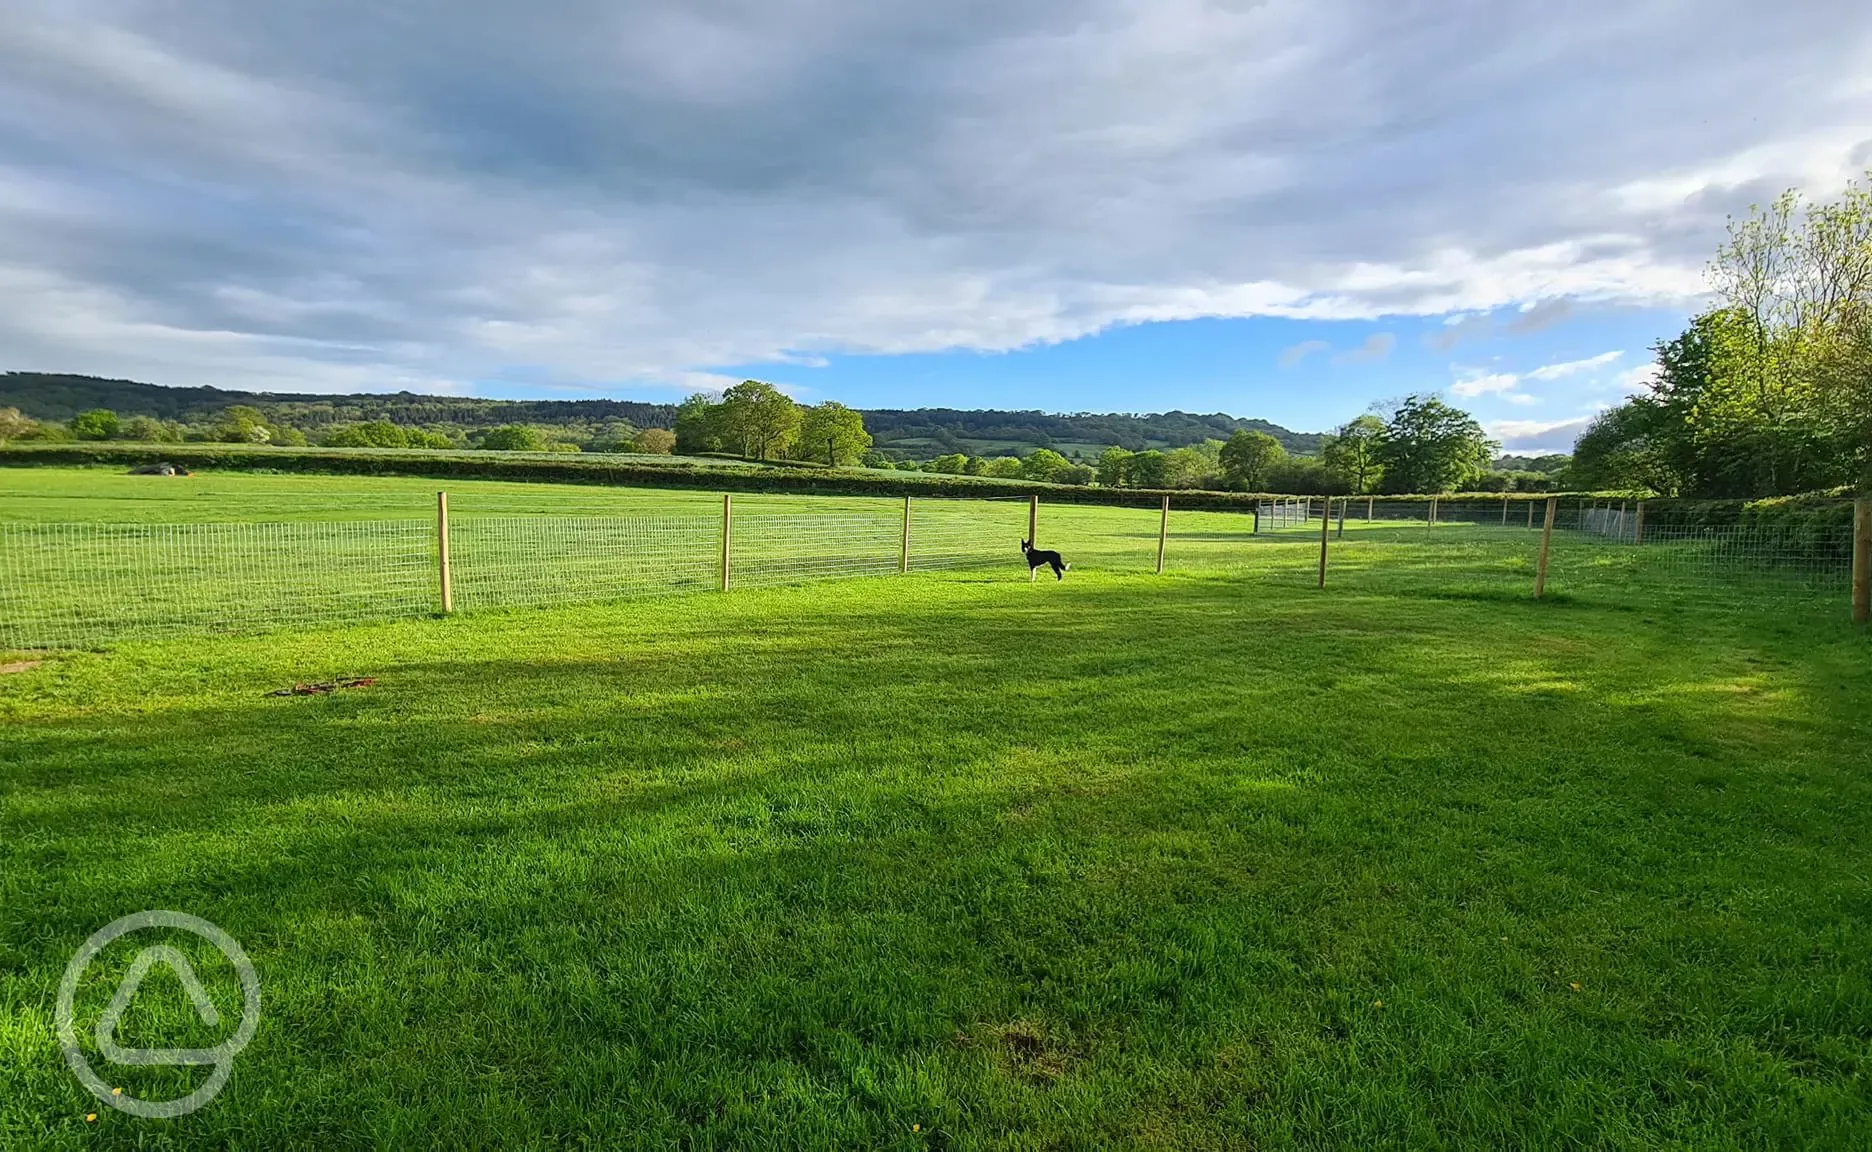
(87, 584)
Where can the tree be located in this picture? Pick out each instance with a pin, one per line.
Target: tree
(149, 430)
(13, 425)
(654, 442)
(1146, 469)
(951, 463)
(1043, 464)
(1075, 474)
(1429, 446)
(514, 438)
(243, 424)
(97, 424)
(698, 425)
(834, 433)
(1111, 467)
(1005, 468)
(370, 434)
(759, 418)
(1350, 453)
(1248, 459)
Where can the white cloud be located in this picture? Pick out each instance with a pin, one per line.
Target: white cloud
(1537, 435)
(1639, 379)
(1472, 382)
(1573, 367)
(334, 194)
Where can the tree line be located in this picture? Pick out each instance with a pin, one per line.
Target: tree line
(1769, 391)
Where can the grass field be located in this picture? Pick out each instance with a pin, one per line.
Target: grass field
(1203, 860)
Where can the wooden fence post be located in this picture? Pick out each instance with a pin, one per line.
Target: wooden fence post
(1325, 532)
(1343, 501)
(1504, 511)
(1368, 508)
(903, 558)
(1530, 515)
(1431, 523)
(1033, 533)
(1638, 536)
(1546, 545)
(1163, 534)
(442, 553)
(727, 534)
(1862, 560)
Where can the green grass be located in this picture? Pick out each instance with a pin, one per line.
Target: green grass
(1128, 861)
(1211, 859)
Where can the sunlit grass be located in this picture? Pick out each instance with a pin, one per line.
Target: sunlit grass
(1194, 861)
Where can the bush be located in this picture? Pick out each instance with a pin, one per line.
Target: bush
(97, 424)
(513, 438)
(654, 442)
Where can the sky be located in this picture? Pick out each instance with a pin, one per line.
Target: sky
(1287, 209)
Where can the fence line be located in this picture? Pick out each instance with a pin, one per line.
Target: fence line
(77, 585)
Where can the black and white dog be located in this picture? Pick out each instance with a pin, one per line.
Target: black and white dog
(1036, 557)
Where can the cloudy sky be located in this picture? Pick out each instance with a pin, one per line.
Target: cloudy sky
(1270, 208)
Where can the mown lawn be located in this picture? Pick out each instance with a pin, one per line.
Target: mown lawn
(958, 861)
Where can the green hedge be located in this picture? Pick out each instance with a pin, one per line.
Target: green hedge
(634, 471)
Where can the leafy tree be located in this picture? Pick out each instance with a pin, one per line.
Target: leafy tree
(953, 463)
(149, 430)
(1076, 474)
(758, 418)
(1248, 459)
(833, 433)
(654, 442)
(1147, 469)
(370, 434)
(1304, 476)
(243, 424)
(13, 425)
(1005, 468)
(1043, 464)
(1350, 453)
(1429, 446)
(877, 460)
(514, 438)
(698, 425)
(97, 424)
(1111, 467)
(976, 466)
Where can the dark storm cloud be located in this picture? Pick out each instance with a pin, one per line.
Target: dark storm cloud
(346, 194)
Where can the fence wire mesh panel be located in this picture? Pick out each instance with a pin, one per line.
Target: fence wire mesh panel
(949, 534)
(523, 561)
(82, 585)
(1100, 538)
(1281, 515)
(791, 548)
(1736, 569)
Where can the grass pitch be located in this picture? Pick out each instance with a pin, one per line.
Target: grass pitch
(955, 861)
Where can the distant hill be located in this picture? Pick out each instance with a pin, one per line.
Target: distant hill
(920, 432)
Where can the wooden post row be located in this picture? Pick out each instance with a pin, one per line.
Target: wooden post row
(1862, 560)
(1163, 534)
(1325, 528)
(442, 553)
(727, 535)
(1546, 545)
